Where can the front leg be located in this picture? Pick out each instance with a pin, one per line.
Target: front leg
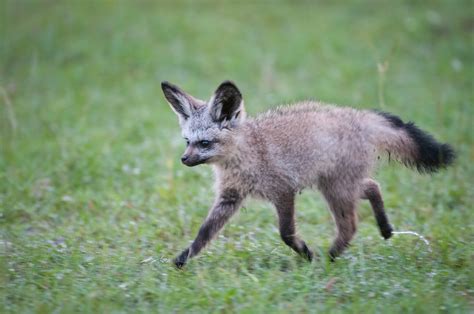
(227, 203)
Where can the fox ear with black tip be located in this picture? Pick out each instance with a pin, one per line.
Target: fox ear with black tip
(226, 105)
(181, 102)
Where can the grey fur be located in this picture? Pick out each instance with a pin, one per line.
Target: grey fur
(281, 152)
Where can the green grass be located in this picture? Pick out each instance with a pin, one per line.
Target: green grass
(94, 202)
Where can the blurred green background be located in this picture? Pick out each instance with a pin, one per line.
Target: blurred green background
(94, 201)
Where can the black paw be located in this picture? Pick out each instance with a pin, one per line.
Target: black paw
(386, 231)
(336, 250)
(181, 260)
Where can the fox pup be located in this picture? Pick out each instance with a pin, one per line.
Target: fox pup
(285, 150)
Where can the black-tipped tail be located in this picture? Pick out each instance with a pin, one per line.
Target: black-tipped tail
(430, 154)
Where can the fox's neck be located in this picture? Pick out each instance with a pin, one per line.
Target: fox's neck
(245, 153)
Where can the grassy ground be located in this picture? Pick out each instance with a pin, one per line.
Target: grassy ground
(94, 202)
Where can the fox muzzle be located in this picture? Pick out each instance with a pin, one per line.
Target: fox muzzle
(192, 160)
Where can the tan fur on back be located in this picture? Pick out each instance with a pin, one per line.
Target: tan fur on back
(306, 144)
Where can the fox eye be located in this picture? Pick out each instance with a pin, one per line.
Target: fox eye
(187, 142)
(204, 144)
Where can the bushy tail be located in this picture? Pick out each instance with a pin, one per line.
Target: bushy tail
(414, 147)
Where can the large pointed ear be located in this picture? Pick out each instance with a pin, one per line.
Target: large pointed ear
(226, 105)
(181, 103)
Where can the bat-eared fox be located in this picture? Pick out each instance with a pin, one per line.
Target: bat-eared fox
(283, 151)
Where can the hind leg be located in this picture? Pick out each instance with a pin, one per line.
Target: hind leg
(285, 205)
(343, 208)
(371, 192)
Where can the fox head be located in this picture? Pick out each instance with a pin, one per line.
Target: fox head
(207, 127)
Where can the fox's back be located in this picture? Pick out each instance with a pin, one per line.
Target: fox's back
(308, 141)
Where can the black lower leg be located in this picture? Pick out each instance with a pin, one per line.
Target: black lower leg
(386, 229)
(286, 217)
(372, 193)
(226, 205)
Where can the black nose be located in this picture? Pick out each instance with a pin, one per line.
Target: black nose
(184, 158)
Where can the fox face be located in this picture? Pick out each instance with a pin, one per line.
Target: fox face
(207, 127)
